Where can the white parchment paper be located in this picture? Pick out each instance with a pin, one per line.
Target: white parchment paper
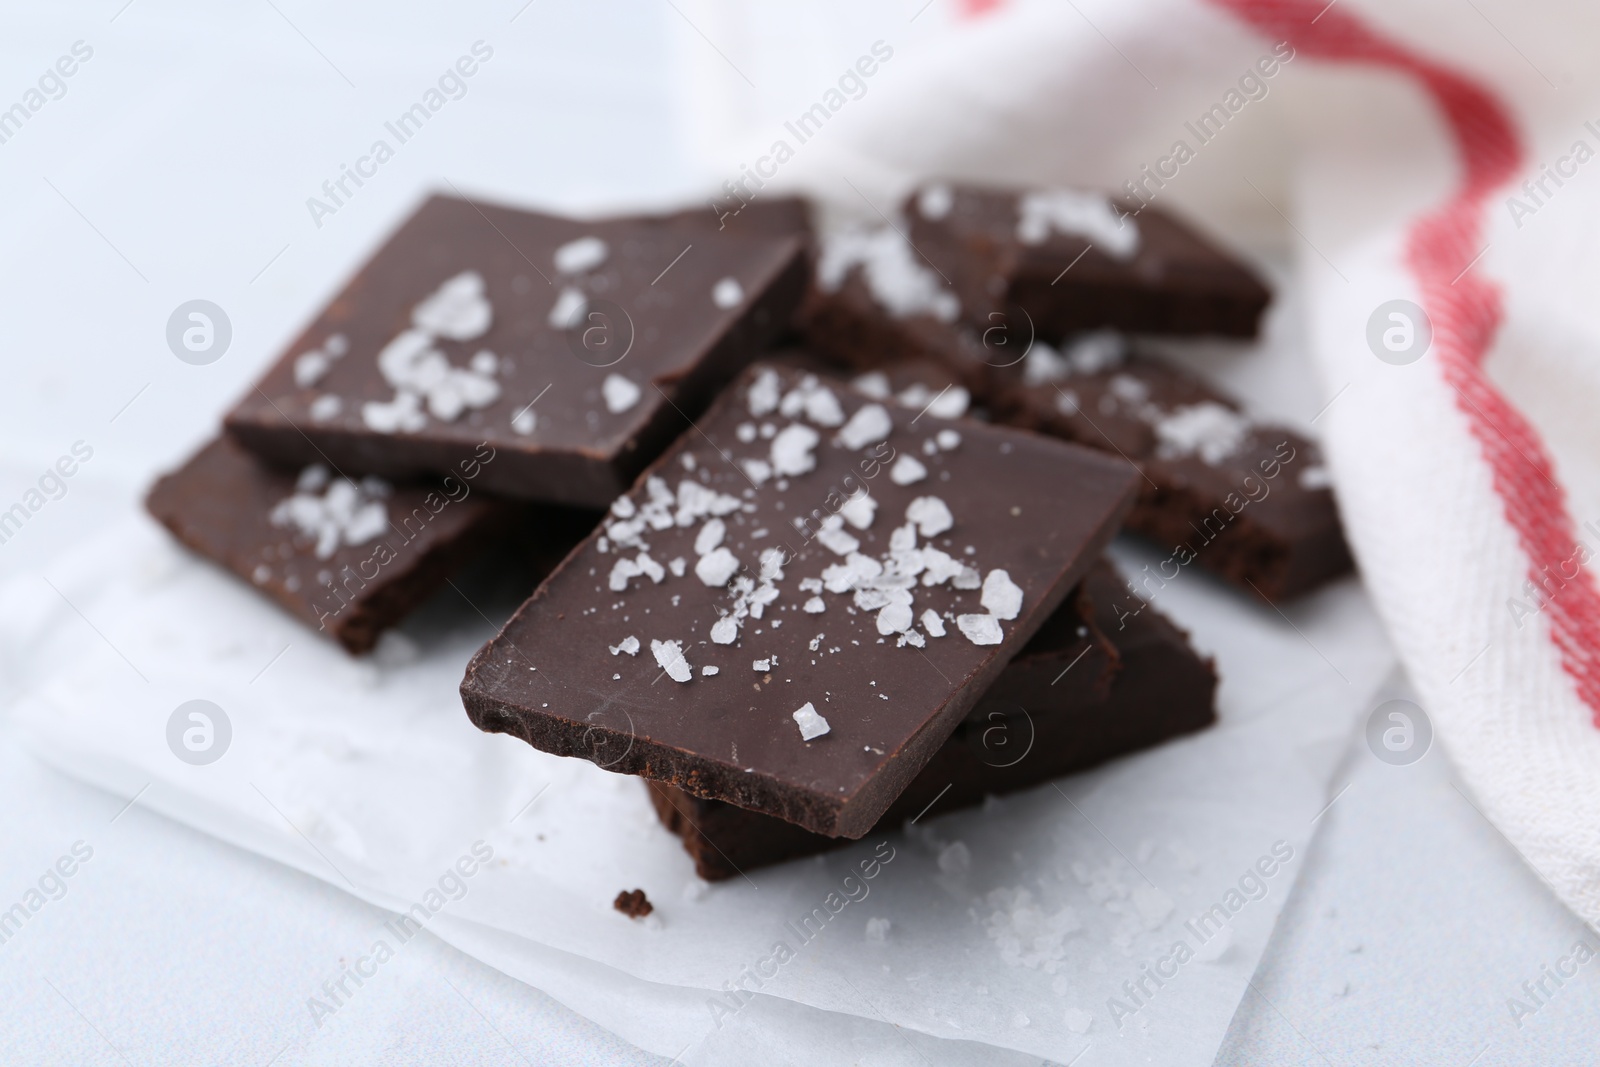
(1015, 925)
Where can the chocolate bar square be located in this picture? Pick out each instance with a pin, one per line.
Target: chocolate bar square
(577, 350)
(1106, 676)
(348, 557)
(800, 600)
(1072, 260)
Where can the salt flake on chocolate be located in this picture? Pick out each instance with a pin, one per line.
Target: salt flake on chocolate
(627, 646)
(1001, 596)
(980, 629)
(931, 515)
(811, 724)
(727, 293)
(869, 425)
(907, 470)
(1208, 428)
(568, 309)
(932, 623)
(716, 567)
(669, 657)
(343, 514)
(457, 310)
(710, 536)
(859, 510)
(619, 393)
(765, 393)
(584, 254)
(791, 450)
(1090, 216)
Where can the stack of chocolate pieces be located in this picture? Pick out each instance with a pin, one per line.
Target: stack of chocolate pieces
(1028, 300)
(800, 606)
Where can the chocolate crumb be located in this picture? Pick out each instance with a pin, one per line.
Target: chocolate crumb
(633, 903)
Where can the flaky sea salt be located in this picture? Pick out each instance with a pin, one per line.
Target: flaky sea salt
(669, 657)
(935, 201)
(791, 450)
(341, 514)
(1001, 596)
(1313, 479)
(628, 645)
(1208, 429)
(584, 254)
(619, 393)
(1091, 216)
(907, 470)
(457, 310)
(931, 515)
(710, 536)
(568, 309)
(869, 425)
(980, 629)
(716, 567)
(932, 623)
(894, 618)
(948, 439)
(893, 273)
(859, 510)
(327, 406)
(811, 724)
(727, 293)
(765, 393)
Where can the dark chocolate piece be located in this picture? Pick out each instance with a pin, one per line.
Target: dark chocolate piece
(347, 557)
(633, 903)
(1106, 676)
(1246, 500)
(800, 600)
(577, 350)
(1074, 261)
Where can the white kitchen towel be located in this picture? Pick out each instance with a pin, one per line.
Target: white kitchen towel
(1432, 154)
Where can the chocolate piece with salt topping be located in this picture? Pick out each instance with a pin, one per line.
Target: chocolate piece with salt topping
(1074, 260)
(798, 603)
(350, 557)
(1106, 676)
(577, 350)
(876, 303)
(1249, 501)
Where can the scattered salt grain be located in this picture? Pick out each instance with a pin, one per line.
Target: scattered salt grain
(930, 514)
(568, 309)
(727, 293)
(869, 425)
(907, 470)
(628, 645)
(1208, 429)
(935, 201)
(932, 623)
(1001, 596)
(811, 724)
(980, 629)
(584, 254)
(716, 567)
(669, 656)
(791, 449)
(620, 394)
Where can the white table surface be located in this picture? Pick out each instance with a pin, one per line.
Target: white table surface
(176, 166)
